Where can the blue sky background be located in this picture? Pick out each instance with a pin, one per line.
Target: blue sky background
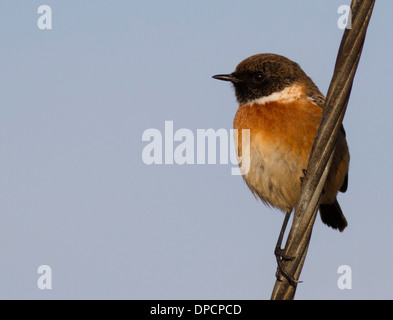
(76, 195)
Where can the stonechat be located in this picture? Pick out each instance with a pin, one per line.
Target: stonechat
(282, 108)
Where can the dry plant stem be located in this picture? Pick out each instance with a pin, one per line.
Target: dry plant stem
(323, 148)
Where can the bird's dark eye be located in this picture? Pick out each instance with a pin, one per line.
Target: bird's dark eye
(258, 77)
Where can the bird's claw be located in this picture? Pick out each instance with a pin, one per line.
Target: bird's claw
(280, 257)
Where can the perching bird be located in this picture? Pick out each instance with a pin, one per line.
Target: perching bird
(282, 107)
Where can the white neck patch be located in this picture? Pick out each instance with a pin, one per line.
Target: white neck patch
(289, 94)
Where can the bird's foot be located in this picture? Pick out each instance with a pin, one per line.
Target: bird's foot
(280, 257)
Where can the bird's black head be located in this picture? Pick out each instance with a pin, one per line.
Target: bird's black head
(263, 74)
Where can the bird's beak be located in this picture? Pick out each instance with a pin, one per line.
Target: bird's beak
(227, 77)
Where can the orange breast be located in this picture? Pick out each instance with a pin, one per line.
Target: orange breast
(292, 125)
(281, 138)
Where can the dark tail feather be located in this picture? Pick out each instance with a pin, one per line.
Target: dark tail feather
(332, 215)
